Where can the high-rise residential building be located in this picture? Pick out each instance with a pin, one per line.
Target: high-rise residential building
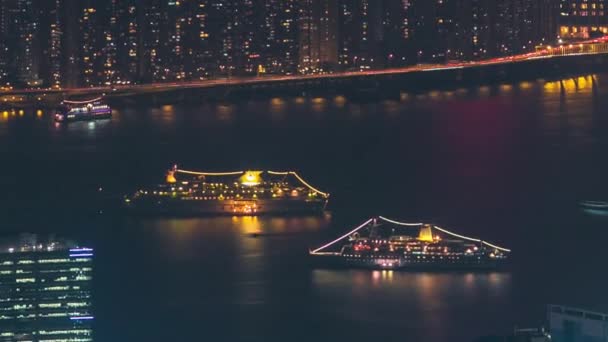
(25, 22)
(109, 24)
(127, 38)
(544, 22)
(583, 18)
(223, 25)
(361, 33)
(45, 291)
(248, 37)
(479, 28)
(91, 53)
(396, 47)
(201, 43)
(4, 46)
(280, 33)
(176, 29)
(50, 38)
(347, 38)
(318, 30)
(152, 64)
(71, 44)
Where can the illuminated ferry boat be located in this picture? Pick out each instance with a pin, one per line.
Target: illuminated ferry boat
(229, 193)
(382, 243)
(93, 109)
(599, 208)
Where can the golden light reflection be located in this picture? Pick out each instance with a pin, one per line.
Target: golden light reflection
(300, 100)
(552, 87)
(39, 113)
(525, 85)
(340, 101)
(248, 224)
(505, 87)
(277, 106)
(277, 101)
(404, 96)
(168, 109)
(390, 106)
(224, 112)
(318, 104)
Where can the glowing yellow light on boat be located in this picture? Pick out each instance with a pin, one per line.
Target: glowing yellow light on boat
(251, 178)
(426, 234)
(39, 112)
(171, 177)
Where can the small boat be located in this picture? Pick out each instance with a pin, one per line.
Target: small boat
(599, 208)
(93, 109)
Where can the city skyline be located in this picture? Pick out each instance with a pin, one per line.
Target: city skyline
(69, 43)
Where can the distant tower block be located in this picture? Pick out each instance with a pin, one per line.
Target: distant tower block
(426, 234)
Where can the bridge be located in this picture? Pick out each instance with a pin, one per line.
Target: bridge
(545, 62)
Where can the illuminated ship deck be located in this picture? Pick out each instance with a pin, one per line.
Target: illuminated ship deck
(383, 243)
(93, 109)
(231, 193)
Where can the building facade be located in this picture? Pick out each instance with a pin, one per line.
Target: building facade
(318, 31)
(582, 18)
(568, 324)
(45, 292)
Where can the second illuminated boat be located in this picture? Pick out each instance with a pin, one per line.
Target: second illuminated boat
(229, 193)
(381, 243)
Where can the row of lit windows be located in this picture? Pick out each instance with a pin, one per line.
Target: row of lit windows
(41, 261)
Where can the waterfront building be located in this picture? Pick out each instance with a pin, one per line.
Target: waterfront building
(581, 19)
(45, 291)
(568, 324)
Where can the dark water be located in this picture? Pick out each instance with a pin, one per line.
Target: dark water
(506, 164)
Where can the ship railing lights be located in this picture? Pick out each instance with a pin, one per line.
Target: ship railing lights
(210, 173)
(449, 233)
(281, 173)
(316, 251)
(295, 174)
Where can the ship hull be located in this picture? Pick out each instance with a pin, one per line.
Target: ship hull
(406, 263)
(595, 208)
(225, 207)
(84, 117)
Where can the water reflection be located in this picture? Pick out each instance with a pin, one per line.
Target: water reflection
(425, 304)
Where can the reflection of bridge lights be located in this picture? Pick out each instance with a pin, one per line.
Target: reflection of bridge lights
(340, 100)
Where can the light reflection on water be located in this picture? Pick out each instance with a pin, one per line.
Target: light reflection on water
(421, 304)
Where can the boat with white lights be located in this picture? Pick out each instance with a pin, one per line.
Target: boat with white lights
(597, 208)
(382, 243)
(187, 192)
(93, 109)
